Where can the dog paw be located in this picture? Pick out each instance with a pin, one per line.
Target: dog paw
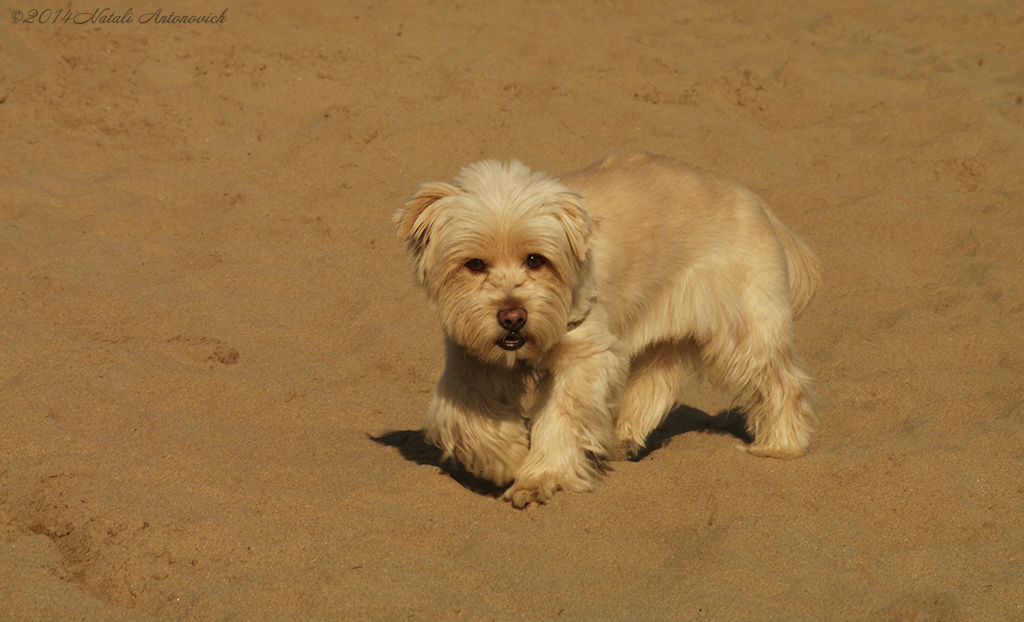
(523, 493)
(627, 450)
(773, 451)
(499, 467)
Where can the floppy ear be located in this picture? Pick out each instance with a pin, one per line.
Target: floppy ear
(415, 219)
(579, 227)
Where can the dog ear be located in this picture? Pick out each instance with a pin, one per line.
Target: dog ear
(579, 227)
(415, 218)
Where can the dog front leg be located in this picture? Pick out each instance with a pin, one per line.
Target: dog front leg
(476, 417)
(572, 427)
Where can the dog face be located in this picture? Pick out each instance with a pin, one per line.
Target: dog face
(502, 253)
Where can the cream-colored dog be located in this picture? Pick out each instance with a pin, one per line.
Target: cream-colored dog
(572, 307)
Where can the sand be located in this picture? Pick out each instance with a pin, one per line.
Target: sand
(214, 363)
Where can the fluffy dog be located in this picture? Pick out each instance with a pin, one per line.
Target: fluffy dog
(573, 309)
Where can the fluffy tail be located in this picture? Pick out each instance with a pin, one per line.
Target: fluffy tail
(803, 265)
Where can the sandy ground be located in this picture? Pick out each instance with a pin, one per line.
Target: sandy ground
(214, 364)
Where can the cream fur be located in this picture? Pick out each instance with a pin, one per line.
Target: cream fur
(651, 267)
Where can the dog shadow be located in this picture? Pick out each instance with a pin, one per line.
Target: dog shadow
(413, 446)
(684, 419)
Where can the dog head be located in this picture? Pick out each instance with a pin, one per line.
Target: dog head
(504, 254)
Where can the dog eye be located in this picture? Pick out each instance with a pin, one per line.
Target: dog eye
(534, 262)
(476, 265)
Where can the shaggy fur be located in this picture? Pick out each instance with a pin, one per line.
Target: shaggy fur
(573, 309)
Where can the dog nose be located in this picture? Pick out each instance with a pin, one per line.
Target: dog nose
(512, 319)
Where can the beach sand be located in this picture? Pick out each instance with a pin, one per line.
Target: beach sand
(214, 363)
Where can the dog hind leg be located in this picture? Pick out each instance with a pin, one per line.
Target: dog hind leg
(655, 380)
(757, 357)
(780, 415)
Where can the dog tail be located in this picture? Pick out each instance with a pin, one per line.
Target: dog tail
(802, 264)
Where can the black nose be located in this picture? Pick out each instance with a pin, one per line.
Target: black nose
(512, 319)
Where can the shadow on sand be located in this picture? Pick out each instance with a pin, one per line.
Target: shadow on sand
(684, 419)
(414, 448)
(681, 420)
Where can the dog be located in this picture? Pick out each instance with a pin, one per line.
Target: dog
(573, 309)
